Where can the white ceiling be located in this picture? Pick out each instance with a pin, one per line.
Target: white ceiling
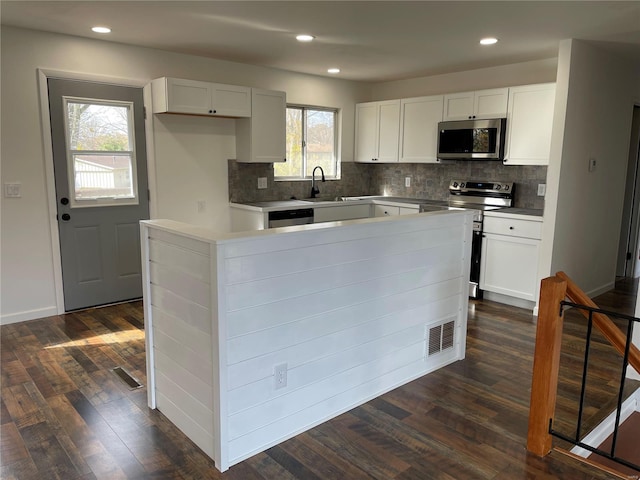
(369, 40)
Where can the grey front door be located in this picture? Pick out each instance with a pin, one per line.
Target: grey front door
(100, 165)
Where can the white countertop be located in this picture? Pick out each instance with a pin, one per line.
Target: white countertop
(276, 205)
(321, 203)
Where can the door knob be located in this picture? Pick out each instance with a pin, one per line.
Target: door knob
(66, 217)
(64, 201)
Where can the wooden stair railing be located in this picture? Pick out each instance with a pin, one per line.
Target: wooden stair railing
(546, 361)
(546, 365)
(602, 322)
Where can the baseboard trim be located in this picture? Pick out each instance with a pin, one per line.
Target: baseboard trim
(507, 300)
(28, 315)
(602, 289)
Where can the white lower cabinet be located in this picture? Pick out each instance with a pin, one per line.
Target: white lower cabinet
(340, 212)
(509, 262)
(385, 210)
(379, 210)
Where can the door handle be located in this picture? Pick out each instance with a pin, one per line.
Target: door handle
(65, 217)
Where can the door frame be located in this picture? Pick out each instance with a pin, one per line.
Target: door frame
(47, 149)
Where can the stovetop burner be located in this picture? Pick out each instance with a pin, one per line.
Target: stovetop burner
(473, 195)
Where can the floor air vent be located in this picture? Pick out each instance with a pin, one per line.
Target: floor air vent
(126, 377)
(440, 338)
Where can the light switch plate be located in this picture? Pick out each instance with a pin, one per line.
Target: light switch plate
(542, 189)
(12, 190)
(407, 181)
(262, 182)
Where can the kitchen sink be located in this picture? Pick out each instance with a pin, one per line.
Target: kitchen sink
(322, 199)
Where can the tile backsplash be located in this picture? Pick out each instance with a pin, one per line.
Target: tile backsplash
(428, 181)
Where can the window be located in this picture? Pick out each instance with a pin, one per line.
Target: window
(311, 142)
(100, 152)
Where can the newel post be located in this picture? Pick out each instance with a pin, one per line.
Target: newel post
(546, 363)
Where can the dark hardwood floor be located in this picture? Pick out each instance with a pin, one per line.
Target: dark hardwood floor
(66, 415)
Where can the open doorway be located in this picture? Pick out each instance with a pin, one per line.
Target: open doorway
(628, 264)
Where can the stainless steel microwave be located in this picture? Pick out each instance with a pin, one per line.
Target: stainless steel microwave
(472, 139)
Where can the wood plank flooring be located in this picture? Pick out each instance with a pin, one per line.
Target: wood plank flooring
(65, 415)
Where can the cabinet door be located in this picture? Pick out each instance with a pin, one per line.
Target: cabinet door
(529, 124)
(366, 132)
(340, 212)
(188, 96)
(509, 266)
(419, 119)
(408, 210)
(491, 103)
(268, 126)
(458, 106)
(385, 210)
(388, 131)
(231, 100)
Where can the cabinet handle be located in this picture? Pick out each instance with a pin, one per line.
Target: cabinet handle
(210, 111)
(511, 228)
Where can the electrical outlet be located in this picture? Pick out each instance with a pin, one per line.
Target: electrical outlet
(407, 182)
(542, 189)
(592, 164)
(262, 182)
(280, 375)
(12, 190)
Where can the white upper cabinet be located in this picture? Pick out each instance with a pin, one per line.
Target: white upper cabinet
(176, 95)
(419, 119)
(262, 137)
(529, 124)
(490, 103)
(377, 131)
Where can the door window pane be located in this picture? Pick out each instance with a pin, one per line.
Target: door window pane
(100, 151)
(102, 176)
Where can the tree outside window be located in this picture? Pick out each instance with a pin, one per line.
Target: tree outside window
(311, 142)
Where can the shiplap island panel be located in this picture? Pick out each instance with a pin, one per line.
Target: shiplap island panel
(254, 337)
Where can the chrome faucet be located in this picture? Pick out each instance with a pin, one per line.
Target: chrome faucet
(314, 189)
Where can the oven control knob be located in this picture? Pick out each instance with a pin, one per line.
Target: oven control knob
(462, 185)
(506, 187)
(455, 184)
(498, 186)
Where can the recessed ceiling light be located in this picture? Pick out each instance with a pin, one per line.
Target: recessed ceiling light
(101, 29)
(488, 41)
(305, 38)
(333, 70)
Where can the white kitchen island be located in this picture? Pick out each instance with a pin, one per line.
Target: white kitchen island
(254, 337)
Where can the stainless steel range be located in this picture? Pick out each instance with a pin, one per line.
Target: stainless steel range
(479, 197)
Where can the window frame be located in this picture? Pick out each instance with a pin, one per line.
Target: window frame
(336, 143)
(72, 153)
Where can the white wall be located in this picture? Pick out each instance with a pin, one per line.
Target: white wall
(599, 90)
(191, 153)
(539, 71)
